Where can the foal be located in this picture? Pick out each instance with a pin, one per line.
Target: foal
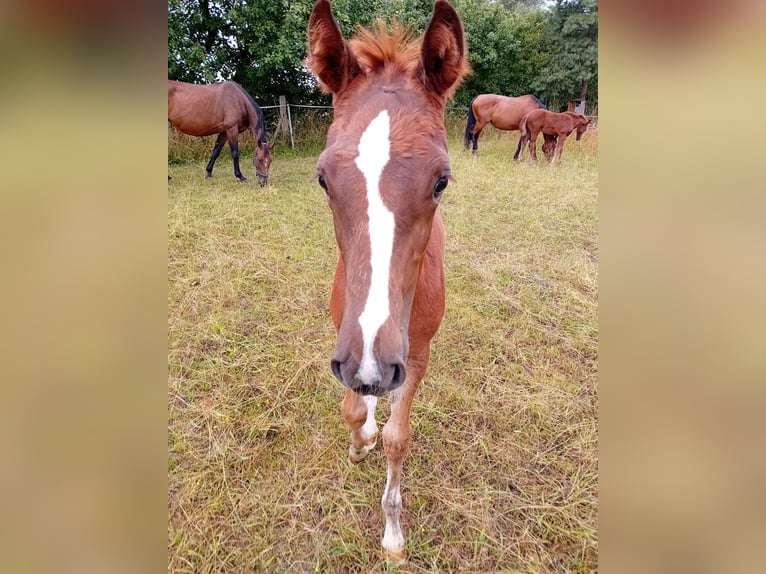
(550, 123)
(384, 169)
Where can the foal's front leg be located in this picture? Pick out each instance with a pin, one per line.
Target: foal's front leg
(359, 413)
(396, 439)
(559, 148)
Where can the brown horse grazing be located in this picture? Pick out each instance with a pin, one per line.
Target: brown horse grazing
(503, 112)
(384, 169)
(551, 124)
(225, 109)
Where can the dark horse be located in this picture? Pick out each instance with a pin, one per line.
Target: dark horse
(505, 113)
(551, 124)
(384, 169)
(225, 109)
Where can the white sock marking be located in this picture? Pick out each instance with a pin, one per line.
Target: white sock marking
(374, 152)
(370, 427)
(393, 537)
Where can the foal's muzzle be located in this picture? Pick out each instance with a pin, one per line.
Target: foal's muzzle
(388, 376)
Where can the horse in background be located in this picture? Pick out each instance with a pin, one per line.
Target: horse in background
(384, 169)
(225, 109)
(504, 113)
(559, 124)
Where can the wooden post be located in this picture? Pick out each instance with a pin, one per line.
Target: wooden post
(290, 125)
(285, 123)
(282, 123)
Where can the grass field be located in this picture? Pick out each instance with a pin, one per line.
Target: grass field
(502, 470)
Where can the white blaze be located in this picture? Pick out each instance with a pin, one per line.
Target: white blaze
(373, 156)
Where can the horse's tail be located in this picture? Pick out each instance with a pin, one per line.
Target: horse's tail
(523, 130)
(524, 136)
(255, 116)
(469, 125)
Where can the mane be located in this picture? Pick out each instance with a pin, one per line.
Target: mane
(261, 121)
(397, 49)
(542, 105)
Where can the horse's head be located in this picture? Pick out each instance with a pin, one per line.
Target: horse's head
(582, 124)
(262, 162)
(384, 169)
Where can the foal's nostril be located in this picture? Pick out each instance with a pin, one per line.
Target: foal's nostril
(399, 374)
(335, 366)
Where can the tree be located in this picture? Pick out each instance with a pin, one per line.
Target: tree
(514, 46)
(572, 42)
(504, 46)
(261, 45)
(195, 32)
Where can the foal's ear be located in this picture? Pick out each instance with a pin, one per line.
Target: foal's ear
(329, 58)
(442, 55)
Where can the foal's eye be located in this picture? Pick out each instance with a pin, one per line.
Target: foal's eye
(322, 182)
(440, 185)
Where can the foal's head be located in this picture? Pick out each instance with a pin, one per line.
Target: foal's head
(582, 124)
(384, 169)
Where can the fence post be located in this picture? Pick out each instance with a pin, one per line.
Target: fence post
(290, 123)
(285, 122)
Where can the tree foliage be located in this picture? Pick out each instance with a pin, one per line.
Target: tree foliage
(515, 46)
(572, 42)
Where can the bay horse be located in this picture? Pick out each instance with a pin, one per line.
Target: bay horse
(384, 169)
(504, 113)
(551, 124)
(225, 109)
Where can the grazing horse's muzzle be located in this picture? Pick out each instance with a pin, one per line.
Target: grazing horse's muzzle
(385, 376)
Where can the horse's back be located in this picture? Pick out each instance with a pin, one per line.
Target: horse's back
(203, 110)
(550, 123)
(506, 112)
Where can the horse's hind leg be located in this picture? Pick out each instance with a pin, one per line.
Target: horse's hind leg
(533, 147)
(520, 147)
(359, 413)
(219, 143)
(476, 131)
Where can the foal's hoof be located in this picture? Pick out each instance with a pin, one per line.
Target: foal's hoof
(396, 558)
(355, 456)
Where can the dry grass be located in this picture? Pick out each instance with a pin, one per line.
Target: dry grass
(502, 473)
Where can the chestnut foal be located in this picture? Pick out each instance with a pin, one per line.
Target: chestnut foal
(384, 169)
(559, 124)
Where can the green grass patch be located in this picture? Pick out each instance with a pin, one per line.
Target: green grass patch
(502, 472)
